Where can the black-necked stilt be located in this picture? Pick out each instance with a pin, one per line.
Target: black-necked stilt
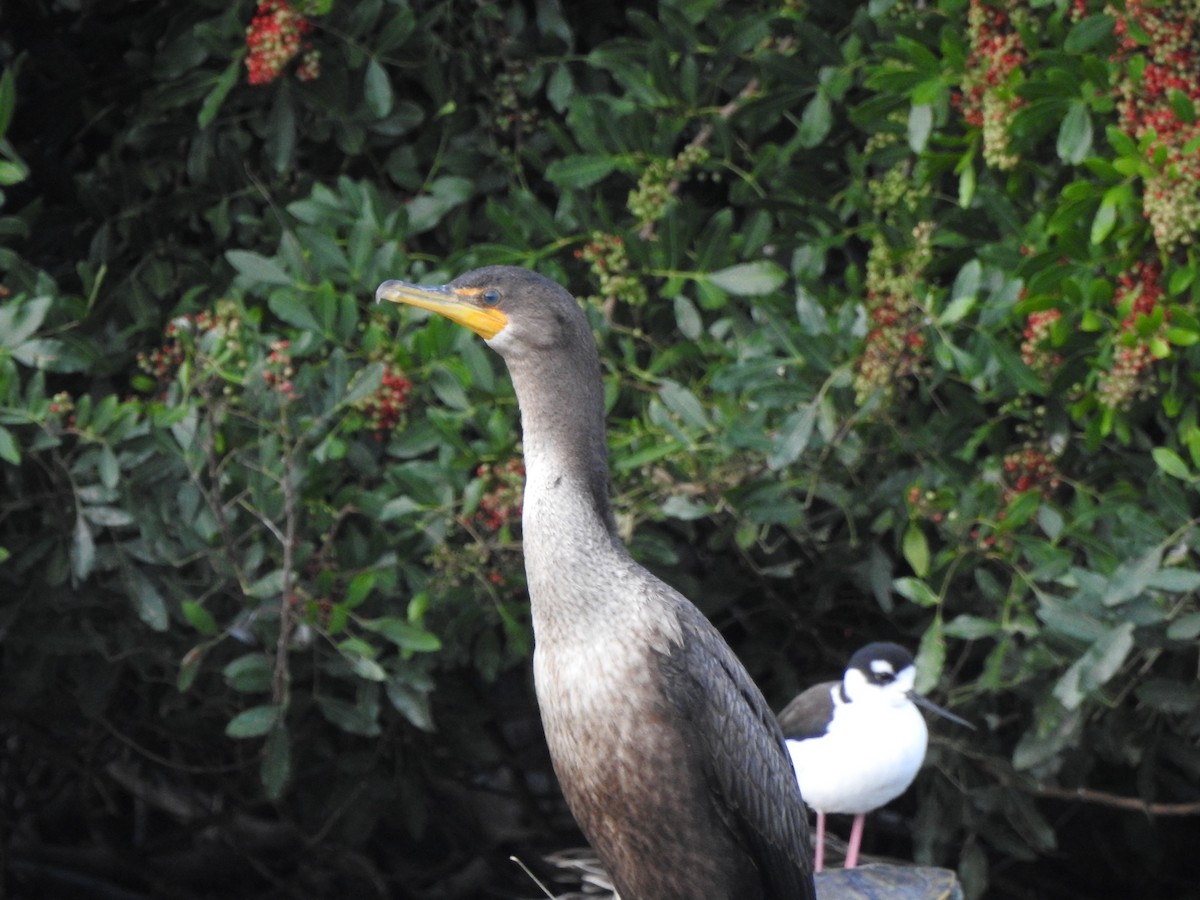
(857, 743)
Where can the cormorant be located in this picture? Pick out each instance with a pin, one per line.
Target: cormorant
(668, 756)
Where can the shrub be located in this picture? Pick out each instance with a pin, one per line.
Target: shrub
(898, 309)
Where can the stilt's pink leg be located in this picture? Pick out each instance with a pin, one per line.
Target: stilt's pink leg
(819, 856)
(856, 831)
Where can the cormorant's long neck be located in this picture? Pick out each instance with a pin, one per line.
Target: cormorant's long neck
(570, 536)
(562, 422)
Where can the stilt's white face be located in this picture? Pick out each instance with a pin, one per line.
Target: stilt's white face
(882, 685)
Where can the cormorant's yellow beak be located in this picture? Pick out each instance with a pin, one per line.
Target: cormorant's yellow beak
(461, 305)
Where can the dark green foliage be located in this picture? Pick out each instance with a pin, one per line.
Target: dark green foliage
(898, 307)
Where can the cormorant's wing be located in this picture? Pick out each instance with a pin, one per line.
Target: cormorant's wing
(751, 769)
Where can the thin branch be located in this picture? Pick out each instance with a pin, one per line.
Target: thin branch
(1028, 785)
(282, 676)
(1101, 798)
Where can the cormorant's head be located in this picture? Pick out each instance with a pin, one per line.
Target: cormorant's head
(515, 310)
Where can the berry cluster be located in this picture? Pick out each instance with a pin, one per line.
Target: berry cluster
(511, 116)
(208, 340)
(1035, 345)
(993, 68)
(895, 344)
(274, 38)
(896, 188)
(163, 362)
(314, 612)
(1138, 298)
(501, 503)
(1170, 66)
(931, 506)
(655, 190)
(279, 371)
(384, 408)
(309, 68)
(605, 253)
(62, 409)
(1030, 468)
(456, 566)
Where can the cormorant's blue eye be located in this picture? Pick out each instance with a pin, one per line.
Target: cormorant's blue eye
(491, 296)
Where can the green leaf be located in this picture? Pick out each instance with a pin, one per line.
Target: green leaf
(749, 279)
(1176, 581)
(1103, 222)
(1075, 134)
(349, 717)
(916, 549)
(815, 121)
(8, 99)
(377, 89)
(580, 171)
(931, 657)
(365, 382)
(403, 634)
(19, 321)
(426, 210)
(964, 292)
(293, 310)
(253, 722)
(1093, 670)
(215, 98)
(83, 550)
(686, 509)
(685, 404)
(972, 628)
(793, 438)
(966, 186)
(1171, 463)
(1132, 577)
(256, 268)
(360, 586)
(276, 766)
(1089, 33)
(1182, 106)
(270, 585)
(148, 602)
(9, 451)
(560, 88)
(198, 617)
(12, 172)
(189, 667)
(1050, 520)
(412, 703)
(687, 318)
(108, 468)
(1181, 279)
(916, 590)
(1185, 628)
(920, 124)
(358, 655)
(249, 674)
(281, 132)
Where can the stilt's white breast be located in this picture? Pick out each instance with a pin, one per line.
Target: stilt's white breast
(868, 756)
